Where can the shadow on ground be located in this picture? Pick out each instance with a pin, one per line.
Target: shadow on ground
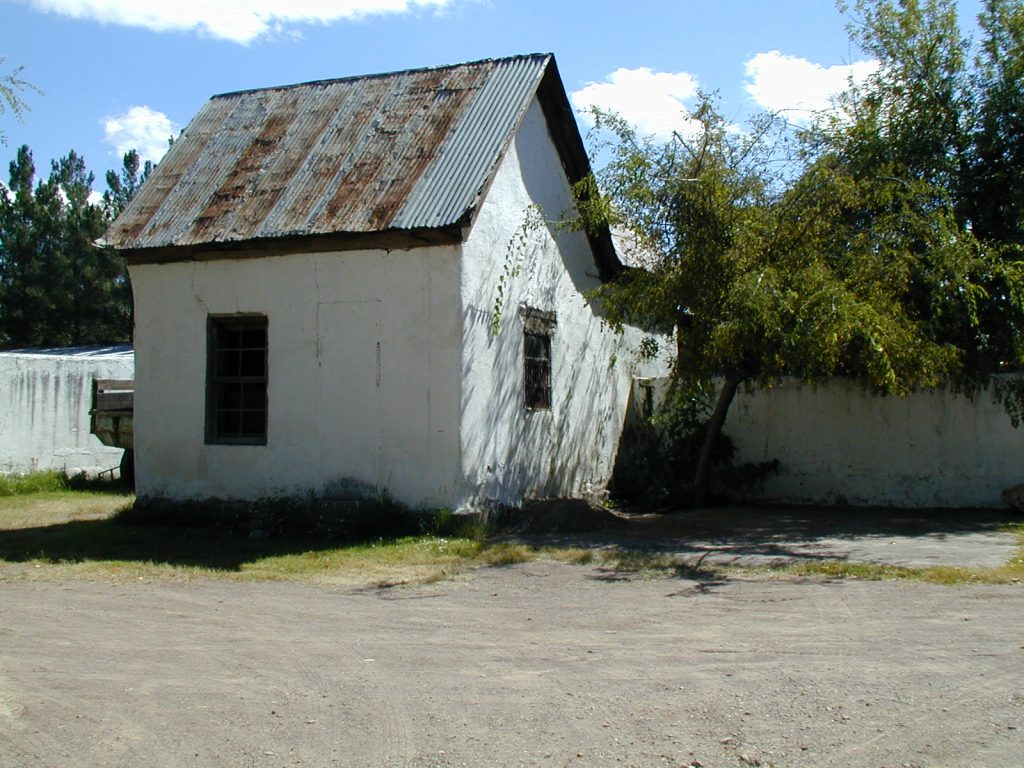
(691, 536)
(780, 534)
(108, 540)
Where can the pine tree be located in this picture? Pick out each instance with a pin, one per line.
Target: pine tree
(57, 287)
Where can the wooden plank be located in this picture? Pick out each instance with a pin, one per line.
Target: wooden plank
(106, 385)
(114, 401)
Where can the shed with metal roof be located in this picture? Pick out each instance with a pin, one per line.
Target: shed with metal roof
(356, 286)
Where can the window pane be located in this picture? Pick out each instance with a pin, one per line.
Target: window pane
(251, 362)
(537, 346)
(254, 398)
(228, 337)
(228, 423)
(253, 424)
(230, 396)
(537, 371)
(227, 363)
(254, 338)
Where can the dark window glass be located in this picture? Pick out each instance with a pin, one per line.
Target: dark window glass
(237, 380)
(537, 370)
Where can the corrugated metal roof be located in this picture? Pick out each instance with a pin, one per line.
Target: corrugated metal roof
(410, 150)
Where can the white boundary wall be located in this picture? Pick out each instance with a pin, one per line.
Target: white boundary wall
(45, 397)
(838, 443)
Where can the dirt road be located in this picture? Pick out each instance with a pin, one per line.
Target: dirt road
(541, 664)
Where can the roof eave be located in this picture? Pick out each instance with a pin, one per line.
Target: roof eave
(566, 136)
(387, 240)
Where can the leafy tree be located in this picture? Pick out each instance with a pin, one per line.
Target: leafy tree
(762, 275)
(10, 84)
(995, 185)
(871, 260)
(911, 116)
(56, 286)
(927, 120)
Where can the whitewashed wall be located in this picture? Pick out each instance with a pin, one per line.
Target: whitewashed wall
(509, 453)
(342, 419)
(45, 397)
(441, 421)
(840, 443)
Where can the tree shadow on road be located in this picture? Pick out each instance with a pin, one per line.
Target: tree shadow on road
(702, 544)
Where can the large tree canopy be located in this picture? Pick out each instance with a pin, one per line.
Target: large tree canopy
(861, 261)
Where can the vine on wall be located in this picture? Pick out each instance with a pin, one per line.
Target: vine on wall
(515, 255)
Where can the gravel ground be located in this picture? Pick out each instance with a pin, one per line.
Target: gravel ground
(543, 664)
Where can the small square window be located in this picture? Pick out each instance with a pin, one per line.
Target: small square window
(236, 373)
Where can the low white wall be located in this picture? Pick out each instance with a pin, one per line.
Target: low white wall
(45, 397)
(840, 443)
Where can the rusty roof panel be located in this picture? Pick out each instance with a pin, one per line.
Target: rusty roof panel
(346, 115)
(402, 151)
(223, 136)
(141, 221)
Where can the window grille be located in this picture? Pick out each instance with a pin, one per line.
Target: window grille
(236, 398)
(538, 327)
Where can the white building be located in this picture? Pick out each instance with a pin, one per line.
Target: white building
(317, 271)
(45, 398)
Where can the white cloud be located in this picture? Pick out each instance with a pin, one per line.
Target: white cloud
(798, 87)
(142, 129)
(240, 21)
(654, 102)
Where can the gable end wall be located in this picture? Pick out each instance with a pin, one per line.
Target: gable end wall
(510, 453)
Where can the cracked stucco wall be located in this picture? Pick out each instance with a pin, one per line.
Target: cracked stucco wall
(363, 375)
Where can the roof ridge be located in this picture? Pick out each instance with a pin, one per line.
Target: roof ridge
(381, 75)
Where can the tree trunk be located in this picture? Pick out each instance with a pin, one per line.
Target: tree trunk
(702, 476)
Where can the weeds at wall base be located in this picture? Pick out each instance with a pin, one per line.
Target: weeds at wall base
(55, 482)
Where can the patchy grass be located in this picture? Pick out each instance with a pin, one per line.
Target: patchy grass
(53, 508)
(1011, 572)
(67, 534)
(942, 574)
(55, 534)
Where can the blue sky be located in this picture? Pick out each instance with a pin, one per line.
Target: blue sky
(118, 73)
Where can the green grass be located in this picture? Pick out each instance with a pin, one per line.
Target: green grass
(51, 532)
(37, 482)
(67, 534)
